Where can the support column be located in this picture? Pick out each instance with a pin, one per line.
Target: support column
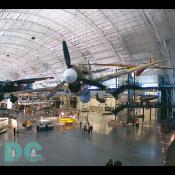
(134, 88)
(143, 113)
(163, 109)
(150, 115)
(156, 115)
(143, 116)
(130, 97)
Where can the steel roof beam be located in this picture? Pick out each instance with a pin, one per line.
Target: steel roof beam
(118, 33)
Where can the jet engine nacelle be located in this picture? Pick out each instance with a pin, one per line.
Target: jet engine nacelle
(85, 96)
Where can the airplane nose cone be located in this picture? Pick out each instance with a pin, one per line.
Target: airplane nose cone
(70, 76)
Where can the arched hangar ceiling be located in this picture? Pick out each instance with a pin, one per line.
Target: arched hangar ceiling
(31, 39)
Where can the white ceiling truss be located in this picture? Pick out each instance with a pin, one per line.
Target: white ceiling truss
(98, 35)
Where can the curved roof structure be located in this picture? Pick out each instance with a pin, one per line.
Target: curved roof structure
(31, 39)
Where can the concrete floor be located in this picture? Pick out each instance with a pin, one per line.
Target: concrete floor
(71, 147)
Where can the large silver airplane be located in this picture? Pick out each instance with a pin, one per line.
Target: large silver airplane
(79, 81)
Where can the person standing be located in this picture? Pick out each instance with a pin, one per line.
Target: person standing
(78, 115)
(80, 125)
(88, 123)
(14, 131)
(90, 129)
(117, 163)
(109, 163)
(85, 129)
(86, 117)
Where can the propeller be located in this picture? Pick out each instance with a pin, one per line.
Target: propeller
(68, 64)
(54, 91)
(73, 73)
(66, 55)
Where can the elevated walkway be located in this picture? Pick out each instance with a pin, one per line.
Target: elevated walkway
(137, 105)
(123, 87)
(160, 87)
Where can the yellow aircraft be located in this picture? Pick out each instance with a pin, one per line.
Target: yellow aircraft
(64, 120)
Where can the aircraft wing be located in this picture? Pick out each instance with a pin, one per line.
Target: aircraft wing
(30, 80)
(126, 71)
(100, 70)
(127, 65)
(113, 64)
(162, 67)
(47, 89)
(147, 98)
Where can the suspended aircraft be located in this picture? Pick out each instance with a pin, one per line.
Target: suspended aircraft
(79, 82)
(128, 66)
(147, 98)
(8, 87)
